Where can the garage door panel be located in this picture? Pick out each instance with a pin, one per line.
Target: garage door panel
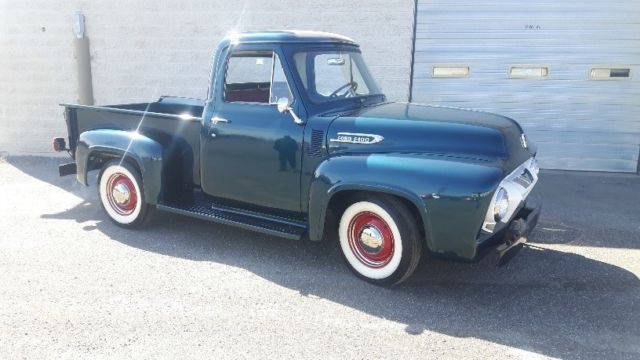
(614, 165)
(575, 55)
(537, 101)
(537, 41)
(514, 32)
(622, 141)
(620, 129)
(601, 152)
(624, 90)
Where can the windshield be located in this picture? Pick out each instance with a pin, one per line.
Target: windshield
(334, 75)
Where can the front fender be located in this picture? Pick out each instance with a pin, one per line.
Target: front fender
(452, 195)
(144, 151)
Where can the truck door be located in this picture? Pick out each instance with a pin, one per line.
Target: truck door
(251, 152)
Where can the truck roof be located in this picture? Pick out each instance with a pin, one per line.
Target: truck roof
(289, 36)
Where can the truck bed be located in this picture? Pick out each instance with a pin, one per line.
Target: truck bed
(172, 121)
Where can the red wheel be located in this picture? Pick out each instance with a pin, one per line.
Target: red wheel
(371, 239)
(121, 194)
(380, 240)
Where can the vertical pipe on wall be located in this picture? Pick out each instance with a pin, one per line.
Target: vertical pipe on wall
(413, 49)
(83, 61)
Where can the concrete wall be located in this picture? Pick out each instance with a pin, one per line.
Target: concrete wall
(142, 49)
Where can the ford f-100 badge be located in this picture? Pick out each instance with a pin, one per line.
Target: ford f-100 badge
(357, 138)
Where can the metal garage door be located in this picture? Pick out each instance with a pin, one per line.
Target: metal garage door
(566, 70)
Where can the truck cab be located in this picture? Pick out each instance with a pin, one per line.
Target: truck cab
(296, 139)
(269, 95)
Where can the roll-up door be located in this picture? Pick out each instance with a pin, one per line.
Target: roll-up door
(566, 70)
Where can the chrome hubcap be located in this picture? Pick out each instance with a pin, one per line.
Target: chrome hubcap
(121, 194)
(371, 239)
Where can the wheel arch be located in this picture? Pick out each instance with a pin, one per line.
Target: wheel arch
(338, 199)
(96, 147)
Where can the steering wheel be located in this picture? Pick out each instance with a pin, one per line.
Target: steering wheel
(352, 84)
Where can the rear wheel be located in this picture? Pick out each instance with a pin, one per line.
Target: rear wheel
(380, 239)
(121, 194)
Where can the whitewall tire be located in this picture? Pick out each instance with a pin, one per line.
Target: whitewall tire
(380, 240)
(121, 194)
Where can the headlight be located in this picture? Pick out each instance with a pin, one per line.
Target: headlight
(501, 204)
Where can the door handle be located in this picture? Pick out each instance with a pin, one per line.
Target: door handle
(216, 120)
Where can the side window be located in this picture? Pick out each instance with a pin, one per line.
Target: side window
(248, 77)
(255, 78)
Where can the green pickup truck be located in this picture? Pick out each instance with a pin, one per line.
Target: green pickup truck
(295, 139)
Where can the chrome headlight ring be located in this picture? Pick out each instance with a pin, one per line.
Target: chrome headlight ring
(510, 193)
(500, 204)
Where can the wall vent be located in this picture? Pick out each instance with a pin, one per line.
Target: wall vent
(528, 72)
(450, 71)
(609, 73)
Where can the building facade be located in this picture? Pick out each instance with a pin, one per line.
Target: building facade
(565, 70)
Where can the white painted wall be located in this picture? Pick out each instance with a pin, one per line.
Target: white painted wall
(142, 49)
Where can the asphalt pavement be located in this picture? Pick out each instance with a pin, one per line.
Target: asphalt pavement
(73, 285)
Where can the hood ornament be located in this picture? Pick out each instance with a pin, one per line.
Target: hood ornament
(357, 138)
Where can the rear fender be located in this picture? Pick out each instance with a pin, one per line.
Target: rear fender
(144, 152)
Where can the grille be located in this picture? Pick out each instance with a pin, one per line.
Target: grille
(525, 179)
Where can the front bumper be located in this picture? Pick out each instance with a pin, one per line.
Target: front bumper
(506, 242)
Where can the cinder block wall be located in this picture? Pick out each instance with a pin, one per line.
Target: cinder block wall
(142, 49)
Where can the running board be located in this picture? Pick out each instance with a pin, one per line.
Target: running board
(285, 228)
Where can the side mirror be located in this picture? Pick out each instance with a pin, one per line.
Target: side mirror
(284, 105)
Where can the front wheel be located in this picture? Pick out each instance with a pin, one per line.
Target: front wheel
(380, 240)
(121, 194)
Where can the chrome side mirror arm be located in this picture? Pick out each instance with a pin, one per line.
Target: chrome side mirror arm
(283, 105)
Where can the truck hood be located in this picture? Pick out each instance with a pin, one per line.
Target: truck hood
(432, 130)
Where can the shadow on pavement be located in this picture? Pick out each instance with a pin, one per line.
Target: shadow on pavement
(590, 209)
(554, 303)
